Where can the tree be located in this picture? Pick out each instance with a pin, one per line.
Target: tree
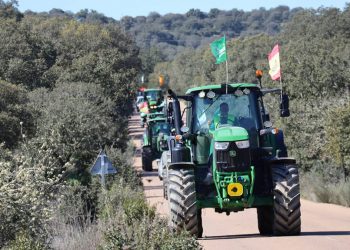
(8, 10)
(24, 56)
(338, 137)
(15, 118)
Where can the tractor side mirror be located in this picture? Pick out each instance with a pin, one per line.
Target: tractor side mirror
(284, 106)
(266, 117)
(170, 111)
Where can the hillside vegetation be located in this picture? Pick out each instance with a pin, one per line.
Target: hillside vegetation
(67, 83)
(163, 37)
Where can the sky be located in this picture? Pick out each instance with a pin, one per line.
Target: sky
(120, 8)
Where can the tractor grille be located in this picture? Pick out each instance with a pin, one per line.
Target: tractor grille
(233, 159)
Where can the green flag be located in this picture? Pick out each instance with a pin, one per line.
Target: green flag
(218, 48)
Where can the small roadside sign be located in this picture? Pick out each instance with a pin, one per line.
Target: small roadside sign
(102, 166)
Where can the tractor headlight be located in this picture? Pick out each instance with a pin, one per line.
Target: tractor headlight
(242, 144)
(221, 145)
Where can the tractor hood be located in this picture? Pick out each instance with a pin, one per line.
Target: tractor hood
(230, 134)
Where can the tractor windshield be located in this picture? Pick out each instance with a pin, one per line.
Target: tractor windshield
(230, 109)
(153, 95)
(161, 128)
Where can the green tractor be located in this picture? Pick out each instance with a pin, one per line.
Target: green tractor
(154, 139)
(229, 157)
(153, 103)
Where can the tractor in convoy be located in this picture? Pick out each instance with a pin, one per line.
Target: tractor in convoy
(154, 139)
(153, 102)
(230, 157)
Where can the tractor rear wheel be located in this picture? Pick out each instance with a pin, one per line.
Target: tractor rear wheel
(146, 159)
(184, 213)
(165, 184)
(165, 162)
(286, 199)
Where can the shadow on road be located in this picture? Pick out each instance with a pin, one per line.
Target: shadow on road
(153, 187)
(240, 236)
(325, 233)
(138, 153)
(149, 174)
(154, 196)
(228, 237)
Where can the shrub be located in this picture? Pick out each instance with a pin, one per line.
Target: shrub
(133, 224)
(24, 241)
(327, 188)
(29, 182)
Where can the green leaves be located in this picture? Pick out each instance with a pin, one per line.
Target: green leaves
(24, 56)
(338, 137)
(80, 78)
(13, 112)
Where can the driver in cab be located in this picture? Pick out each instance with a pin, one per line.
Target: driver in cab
(222, 117)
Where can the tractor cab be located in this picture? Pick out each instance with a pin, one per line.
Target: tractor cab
(217, 116)
(154, 99)
(154, 139)
(153, 102)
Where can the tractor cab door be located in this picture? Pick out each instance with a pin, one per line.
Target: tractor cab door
(199, 126)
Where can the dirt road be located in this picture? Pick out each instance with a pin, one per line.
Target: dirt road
(324, 226)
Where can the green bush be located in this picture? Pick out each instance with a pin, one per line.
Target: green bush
(133, 224)
(24, 241)
(30, 179)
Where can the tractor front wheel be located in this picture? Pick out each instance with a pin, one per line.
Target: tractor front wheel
(184, 213)
(283, 218)
(286, 206)
(146, 159)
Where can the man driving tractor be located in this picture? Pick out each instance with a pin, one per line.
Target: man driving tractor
(222, 117)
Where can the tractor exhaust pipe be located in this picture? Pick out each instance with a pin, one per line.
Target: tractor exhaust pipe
(179, 152)
(177, 112)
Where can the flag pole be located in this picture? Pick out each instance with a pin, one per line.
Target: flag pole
(226, 66)
(226, 76)
(281, 79)
(281, 86)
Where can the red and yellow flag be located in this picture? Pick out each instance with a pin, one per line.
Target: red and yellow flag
(274, 62)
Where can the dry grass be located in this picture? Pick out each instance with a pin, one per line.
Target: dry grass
(320, 189)
(77, 237)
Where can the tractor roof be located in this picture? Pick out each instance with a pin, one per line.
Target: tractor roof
(158, 119)
(146, 90)
(219, 86)
(160, 115)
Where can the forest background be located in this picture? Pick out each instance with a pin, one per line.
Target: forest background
(67, 86)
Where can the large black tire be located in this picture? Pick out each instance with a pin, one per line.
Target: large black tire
(265, 220)
(184, 213)
(165, 162)
(165, 184)
(146, 159)
(283, 218)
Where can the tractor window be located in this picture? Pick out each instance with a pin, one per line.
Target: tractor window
(153, 95)
(161, 128)
(240, 111)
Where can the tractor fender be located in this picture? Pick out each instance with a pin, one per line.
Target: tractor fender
(181, 165)
(282, 160)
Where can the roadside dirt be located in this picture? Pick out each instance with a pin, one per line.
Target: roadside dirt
(324, 226)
